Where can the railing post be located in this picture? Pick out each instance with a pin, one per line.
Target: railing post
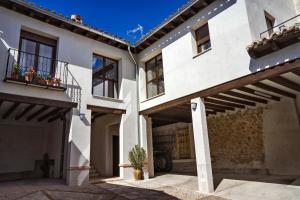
(8, 58)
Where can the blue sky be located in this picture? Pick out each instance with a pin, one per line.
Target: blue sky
(116, 16)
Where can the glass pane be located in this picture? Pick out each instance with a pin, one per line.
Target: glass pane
(202, 32)
(203, 47)
(27, 54)
(45, 59)
(161, 86)
(151, 89)
(151, 74)
(98, 87)
(111, 71)
(98, 62)
(111, 89)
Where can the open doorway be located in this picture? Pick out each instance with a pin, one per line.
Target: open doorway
(116, 155)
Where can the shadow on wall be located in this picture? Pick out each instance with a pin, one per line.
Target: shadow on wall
(208, 13)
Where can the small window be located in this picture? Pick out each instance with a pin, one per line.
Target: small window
(202, 38)
(105, 76)
(270, 21)
(155, 76)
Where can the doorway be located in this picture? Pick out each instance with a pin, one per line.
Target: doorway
(116, 156)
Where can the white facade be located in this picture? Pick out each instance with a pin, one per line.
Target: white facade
(233, 24)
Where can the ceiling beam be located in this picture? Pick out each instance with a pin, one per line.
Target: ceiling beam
(25, 111)
(246, 97)
(215, 109)
(259, 93)
(286, 83)
(234, 100)
(215, 101)
(58, 116)
(297, 72)
(10, 110)
(49, 114)
(37, 113)
(211, 112)
(214, 106)
(274, 90)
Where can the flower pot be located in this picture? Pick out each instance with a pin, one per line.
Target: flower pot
(138, 174)
(15, 76)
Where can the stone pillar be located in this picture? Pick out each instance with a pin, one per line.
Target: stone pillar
(146, 143)
(203, 161)
(79, 150)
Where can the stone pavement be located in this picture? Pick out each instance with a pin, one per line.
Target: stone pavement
(115, 190)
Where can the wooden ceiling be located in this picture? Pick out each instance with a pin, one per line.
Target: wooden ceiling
(271, 89)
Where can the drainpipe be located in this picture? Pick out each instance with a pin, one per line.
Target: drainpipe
(137, 93)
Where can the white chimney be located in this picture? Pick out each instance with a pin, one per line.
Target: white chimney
(76, 18)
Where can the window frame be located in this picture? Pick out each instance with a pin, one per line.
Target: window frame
(38, 40)
(104, 79)
(157, 78)
(202, 41)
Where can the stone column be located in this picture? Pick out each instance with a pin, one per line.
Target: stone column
(146, 143)
(203, 161)
(79, 150)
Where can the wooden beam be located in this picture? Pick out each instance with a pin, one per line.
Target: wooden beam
(273, 71)
(297, 72)
(211, 112)
(215, 106)
(234, 100)
(259, 93)
(1, 103)
(286, 83)
(25, 111)
(215, 109)
(274, 90)
(37, 113)
(49, 114)
(36, 100)
(10, 110)
(214, 101)
(58, 116)
(106, 110)
(246, 97)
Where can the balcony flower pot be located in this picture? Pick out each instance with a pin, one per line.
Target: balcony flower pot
(16, 71)
(137, 157)
(56, 82)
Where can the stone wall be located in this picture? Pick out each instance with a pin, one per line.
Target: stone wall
(236, 139)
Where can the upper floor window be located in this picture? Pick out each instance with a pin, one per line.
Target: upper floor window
(37, 52)
(202, 38)
(270, 21)
(105, 76)
(155, 76)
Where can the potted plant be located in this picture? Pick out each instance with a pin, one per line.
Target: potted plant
(56, 82)
(16, 71)
(30, 74)
(49, 79)
(137, 158)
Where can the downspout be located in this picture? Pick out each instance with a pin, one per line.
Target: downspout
(137, 93)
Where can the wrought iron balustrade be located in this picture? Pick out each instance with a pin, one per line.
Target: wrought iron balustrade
(40, 71)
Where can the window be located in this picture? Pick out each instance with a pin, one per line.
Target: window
(105, 76)
(202, 38)
(155, 76)
(37, 52)
(270, 21)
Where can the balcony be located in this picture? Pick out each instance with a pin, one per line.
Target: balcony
(278, 37)
(33, 70)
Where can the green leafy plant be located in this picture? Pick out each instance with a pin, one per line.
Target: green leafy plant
(137, 157)
(16, 68)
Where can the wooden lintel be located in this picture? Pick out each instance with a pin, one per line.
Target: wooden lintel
(37, 113)
(274, 90)
(286, 83)
(25, 111)
(250, 79)
(36, 100)
(10, 110)
(106, 110)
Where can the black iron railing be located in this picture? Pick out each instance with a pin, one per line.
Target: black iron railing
(294, 21)
(35, 70)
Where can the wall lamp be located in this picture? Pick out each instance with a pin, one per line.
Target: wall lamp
(81, 116)
(194, 106)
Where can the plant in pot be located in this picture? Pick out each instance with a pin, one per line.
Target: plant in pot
(56, 82)
(137, 158)
(49, 79)
(30, 74)
(16, 71)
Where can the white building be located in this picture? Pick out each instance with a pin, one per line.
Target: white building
(208, 100)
